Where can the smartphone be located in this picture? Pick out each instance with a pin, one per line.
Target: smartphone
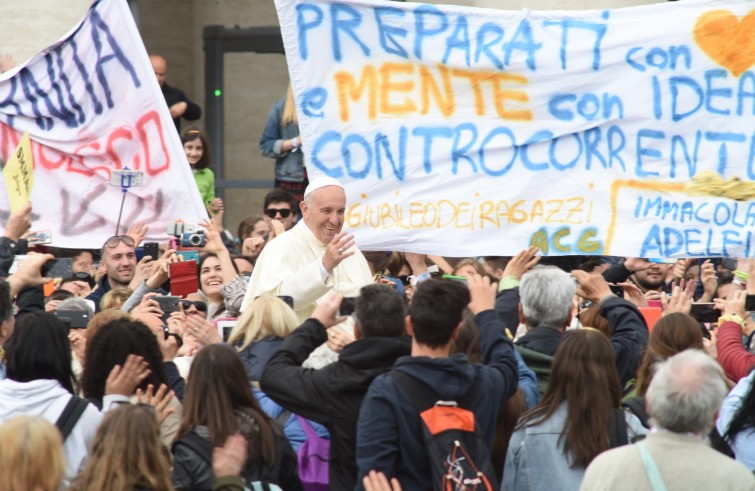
(139, 252)
(188, 255)
(58, 268)
(462, 279)
(729, 263)
(348, 305)
(289, 300)
(168, 304)
(750, 303)
(704, 312)
(39, 238)
(75, 319)
(617, 290)
(152, 249)
(225, 325)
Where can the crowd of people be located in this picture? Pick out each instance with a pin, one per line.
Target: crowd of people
(299, 362)
(265, 375)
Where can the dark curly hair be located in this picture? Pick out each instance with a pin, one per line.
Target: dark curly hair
(110, 346)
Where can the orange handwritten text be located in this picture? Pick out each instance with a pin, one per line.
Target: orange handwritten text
(402, 89)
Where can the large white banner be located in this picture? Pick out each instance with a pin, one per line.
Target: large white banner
(465, 131)
(91, 104)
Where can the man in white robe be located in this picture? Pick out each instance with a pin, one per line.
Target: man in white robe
(314, 257)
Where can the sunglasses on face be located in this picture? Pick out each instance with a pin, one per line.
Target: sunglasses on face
(117, 239)
(200, 306)
(284, 212)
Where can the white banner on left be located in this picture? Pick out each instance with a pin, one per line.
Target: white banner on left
(91, 105)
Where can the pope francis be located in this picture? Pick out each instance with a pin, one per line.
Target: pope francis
(314, 257)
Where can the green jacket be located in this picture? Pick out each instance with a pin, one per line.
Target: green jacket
(205, 179)
(538, 363)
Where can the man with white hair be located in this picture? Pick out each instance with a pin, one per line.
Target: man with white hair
(314, 257)
(683, 400)
(546, 307)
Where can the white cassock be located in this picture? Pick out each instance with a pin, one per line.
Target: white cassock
(290, 265)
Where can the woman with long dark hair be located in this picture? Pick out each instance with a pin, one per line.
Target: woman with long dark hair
(558, 438)
(219, 403)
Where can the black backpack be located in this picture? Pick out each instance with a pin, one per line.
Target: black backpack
(459, 457)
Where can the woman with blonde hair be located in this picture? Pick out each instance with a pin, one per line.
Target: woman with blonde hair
(260, 331)
(257, 335)
(31, 455)
(281, 141)
(127, 454)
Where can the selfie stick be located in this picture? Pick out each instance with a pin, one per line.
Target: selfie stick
(128, 179)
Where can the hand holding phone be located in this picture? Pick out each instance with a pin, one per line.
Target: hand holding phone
(348, 306)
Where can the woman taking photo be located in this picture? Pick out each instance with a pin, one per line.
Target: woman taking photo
(558, 438)
(219, 403)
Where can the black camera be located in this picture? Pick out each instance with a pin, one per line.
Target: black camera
(197, 239)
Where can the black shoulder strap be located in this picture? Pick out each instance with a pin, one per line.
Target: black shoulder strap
(423, 397)
(198, 445)
(637, 406)
(71, 415)
(617, 429)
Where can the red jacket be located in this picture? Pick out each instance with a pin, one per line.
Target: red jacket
(732, 355)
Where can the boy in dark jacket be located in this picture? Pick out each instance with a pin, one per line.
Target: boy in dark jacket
(389, 434)
(333, 395)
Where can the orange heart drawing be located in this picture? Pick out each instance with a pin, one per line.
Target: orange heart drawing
(727, 40)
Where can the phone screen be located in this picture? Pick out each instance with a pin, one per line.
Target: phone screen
(58, 268)
(704, 312)
(348, 305)
(289, 300)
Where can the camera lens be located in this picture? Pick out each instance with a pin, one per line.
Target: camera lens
(195, 239)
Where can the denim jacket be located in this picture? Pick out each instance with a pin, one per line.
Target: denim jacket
(289, 166)
(535, 460)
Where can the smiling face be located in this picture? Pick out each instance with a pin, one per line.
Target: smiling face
(210, 278)
(194, 151)
(324, 213)
(120, 263)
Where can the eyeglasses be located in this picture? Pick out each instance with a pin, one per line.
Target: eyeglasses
(284, 212)
(117, 239)
(200, 306)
